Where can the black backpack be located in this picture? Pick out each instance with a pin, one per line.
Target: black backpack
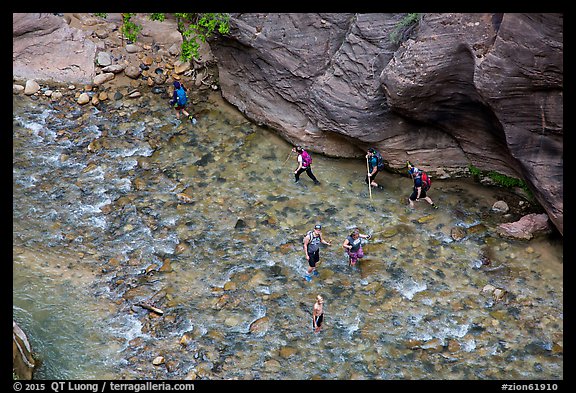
(380, 160)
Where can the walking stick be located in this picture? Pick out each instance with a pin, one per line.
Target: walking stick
(369, 179)
(287, 158)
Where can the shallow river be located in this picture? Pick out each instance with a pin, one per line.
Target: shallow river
(119, 206)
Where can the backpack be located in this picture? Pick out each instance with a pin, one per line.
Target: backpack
(379, 160)
(306, 159)
(426, 181)
(181, 97)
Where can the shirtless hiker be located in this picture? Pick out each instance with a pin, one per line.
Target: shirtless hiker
(318, 314)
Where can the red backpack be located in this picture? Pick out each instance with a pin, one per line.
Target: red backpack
(306, 159)
(426, 181)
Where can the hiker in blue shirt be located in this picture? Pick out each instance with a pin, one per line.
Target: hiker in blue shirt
(179, 101)
(374, 164)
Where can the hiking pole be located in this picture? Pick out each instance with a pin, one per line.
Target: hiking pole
(287, 158)
(369, 179)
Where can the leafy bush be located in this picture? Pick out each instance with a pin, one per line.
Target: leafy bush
(129, 28)
(404, 27)
(196, 27)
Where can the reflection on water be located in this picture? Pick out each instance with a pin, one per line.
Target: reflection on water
(118, 206)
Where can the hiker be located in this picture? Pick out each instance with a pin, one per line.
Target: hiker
(375, 164)
(418, 191)
(179, 101)
(318, 314)
(304, 164)
(312, 242)
(353, 246)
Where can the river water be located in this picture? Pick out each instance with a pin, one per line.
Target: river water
(117, 206)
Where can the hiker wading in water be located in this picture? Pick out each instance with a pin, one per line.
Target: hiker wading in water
(318, 314)
(179, 101)
(418, 191)
(312, 242)
(304, 164)
(374, 159)
(353, 246)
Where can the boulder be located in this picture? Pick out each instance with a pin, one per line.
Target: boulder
(525, 228)
(23, 364)
(45, 47)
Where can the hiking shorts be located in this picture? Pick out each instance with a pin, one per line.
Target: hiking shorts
(319, 320)
(415, 194)
(371, 177)
(314, 258)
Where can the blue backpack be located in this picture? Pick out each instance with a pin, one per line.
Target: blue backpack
(182, 99)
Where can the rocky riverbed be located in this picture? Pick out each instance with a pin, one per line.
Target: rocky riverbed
(116, 206)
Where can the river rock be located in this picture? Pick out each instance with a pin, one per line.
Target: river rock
(31, 87)
(132, 72)
(114, 68)
(132, 48)
(84, 98)
(181, 67)
(261, 325)
(186, 339)
(103, 59)
(500, 207)
(103, 78)
(458, 233)
(525, 228)
(17, 89)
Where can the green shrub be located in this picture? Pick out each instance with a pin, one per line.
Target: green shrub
(198, 27)
(404, 27)
(129, 28)
(474, 171)
(500, 179)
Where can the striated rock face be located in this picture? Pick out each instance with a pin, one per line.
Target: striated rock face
(312, 77)
(494, 83)
(44, 47)
(464, 89)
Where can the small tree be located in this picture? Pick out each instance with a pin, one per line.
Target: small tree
(194, 27)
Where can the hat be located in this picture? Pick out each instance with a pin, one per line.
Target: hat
(318, 226)
(176, 84)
